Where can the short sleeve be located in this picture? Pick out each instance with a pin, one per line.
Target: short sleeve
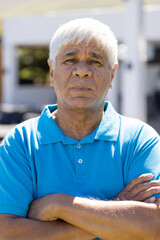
(16, 190)
(144, 154)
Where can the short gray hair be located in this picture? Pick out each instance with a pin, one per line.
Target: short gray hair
(84, 29)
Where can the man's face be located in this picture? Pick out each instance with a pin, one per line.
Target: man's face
(82, 76)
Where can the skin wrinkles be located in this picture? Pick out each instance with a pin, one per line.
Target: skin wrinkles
(91, 54)
(88, 76)
(81, 79)
(96, 55)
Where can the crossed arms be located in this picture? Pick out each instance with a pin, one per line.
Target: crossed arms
(61, 216)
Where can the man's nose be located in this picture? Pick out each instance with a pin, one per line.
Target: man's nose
(81, 70)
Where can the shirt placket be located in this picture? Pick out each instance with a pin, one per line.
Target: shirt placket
(80, 161)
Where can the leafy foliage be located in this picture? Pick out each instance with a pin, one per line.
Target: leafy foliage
(33, 67)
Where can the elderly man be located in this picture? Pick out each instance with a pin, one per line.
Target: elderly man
(59, 171)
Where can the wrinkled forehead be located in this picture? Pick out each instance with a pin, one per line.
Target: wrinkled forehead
(90, 47)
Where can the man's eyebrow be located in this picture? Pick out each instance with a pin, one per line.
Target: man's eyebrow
(91, 53)
(95, 55)
(70, 54)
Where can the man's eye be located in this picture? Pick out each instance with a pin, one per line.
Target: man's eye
(70, 61)
(96, 63)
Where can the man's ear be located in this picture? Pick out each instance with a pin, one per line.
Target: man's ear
(112, 74)
(51, 72)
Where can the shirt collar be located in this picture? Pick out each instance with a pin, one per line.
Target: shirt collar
(49, 132)
(108, 129)
(47, 129)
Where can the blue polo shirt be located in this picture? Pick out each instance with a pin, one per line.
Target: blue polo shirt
(37, 158)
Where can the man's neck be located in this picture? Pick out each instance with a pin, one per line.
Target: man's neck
(77, 124)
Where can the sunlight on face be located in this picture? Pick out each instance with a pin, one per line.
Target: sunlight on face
(82, 76)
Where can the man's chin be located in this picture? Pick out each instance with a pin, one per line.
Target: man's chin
(84, 103)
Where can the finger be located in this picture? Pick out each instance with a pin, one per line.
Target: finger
(141, 191)
(150, 200)
(142, 196)
(136, 185)
(143, 186)
(140, 179)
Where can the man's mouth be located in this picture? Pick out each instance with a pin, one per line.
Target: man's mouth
(81, 88)
(81, 91)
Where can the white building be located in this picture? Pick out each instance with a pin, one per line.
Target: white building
(130, 92)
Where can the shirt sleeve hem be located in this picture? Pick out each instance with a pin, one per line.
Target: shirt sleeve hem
(13, 210)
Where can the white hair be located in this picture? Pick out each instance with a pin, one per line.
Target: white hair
(84, 29)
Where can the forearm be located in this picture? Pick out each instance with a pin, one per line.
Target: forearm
(17, 228)
(112, 220)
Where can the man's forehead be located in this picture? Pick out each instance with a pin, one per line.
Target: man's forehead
(91, 48)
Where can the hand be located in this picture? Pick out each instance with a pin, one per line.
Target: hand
(140, 189)
(43, 209)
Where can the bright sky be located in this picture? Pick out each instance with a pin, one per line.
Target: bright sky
(21, 7)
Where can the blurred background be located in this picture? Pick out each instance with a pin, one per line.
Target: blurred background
(26, 28)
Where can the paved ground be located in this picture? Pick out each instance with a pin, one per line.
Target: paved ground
(4, 129)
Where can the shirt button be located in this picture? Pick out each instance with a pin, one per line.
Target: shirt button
(80, 161)
(79, 146)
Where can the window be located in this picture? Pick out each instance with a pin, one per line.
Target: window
(33, 67)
